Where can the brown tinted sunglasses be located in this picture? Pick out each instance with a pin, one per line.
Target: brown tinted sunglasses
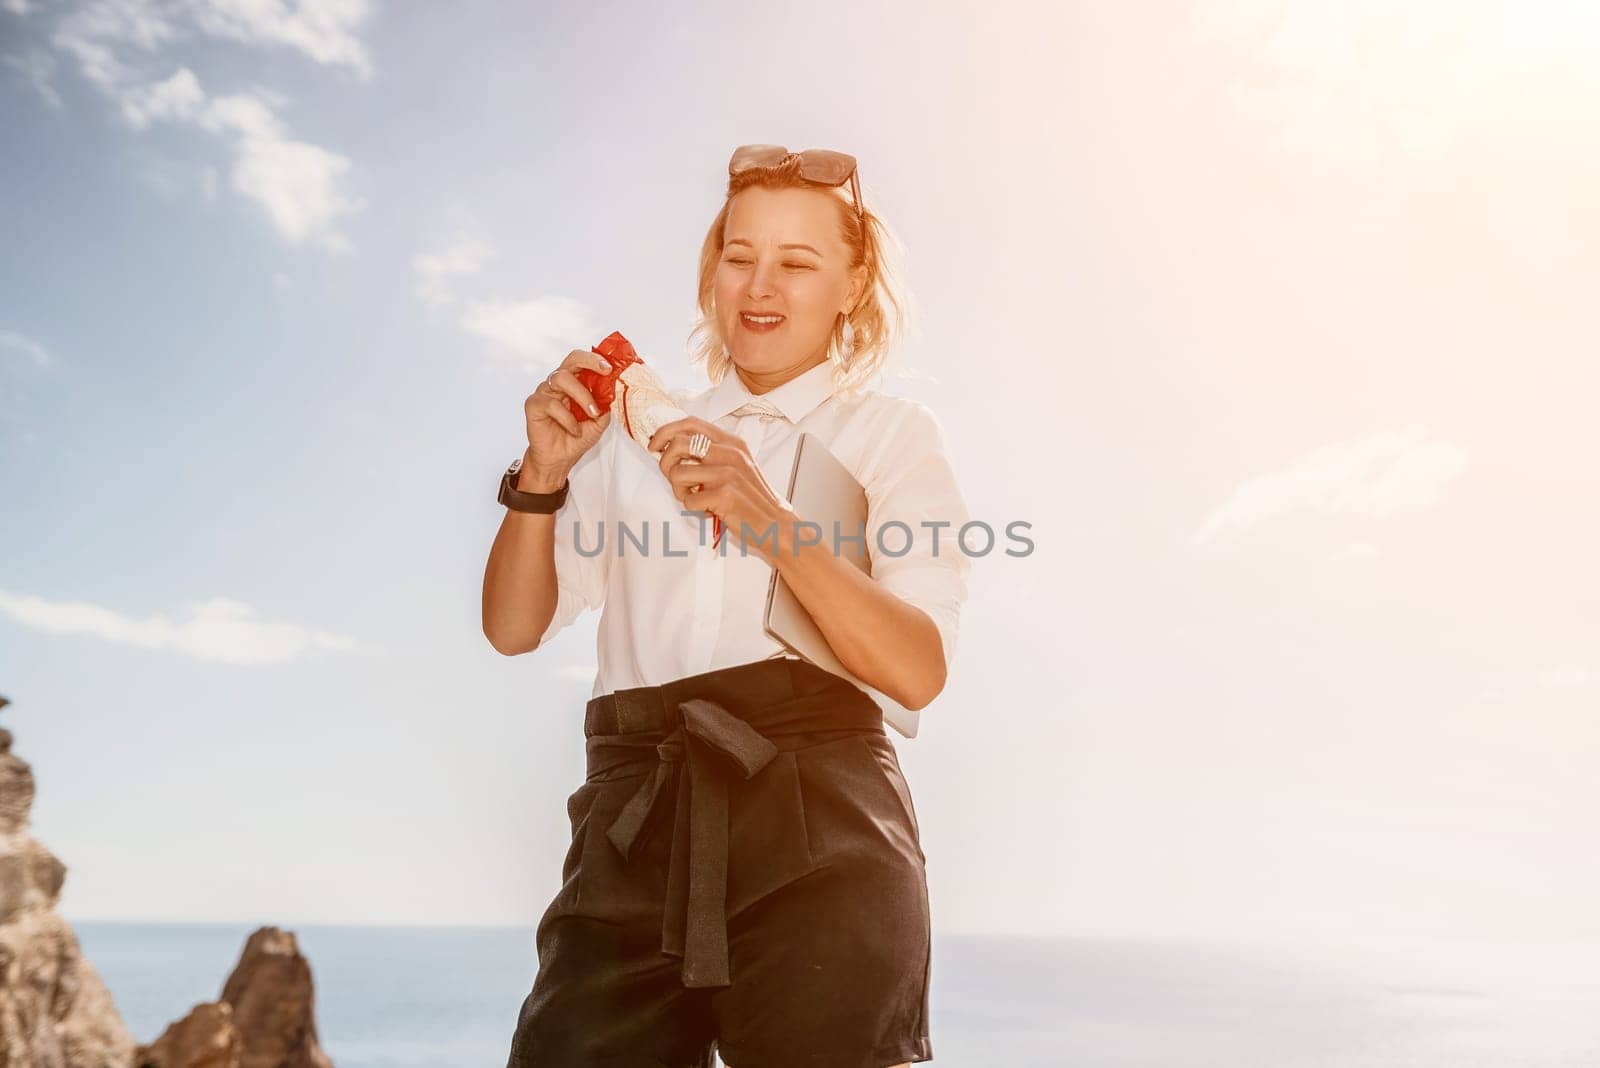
(820, 165)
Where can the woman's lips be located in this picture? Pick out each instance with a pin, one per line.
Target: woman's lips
(759, 328)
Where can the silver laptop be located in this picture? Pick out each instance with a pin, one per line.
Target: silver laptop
(824, 491)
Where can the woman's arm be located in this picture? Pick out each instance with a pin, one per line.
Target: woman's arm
(886, 642)
(533, 585)
(894, 629)
(541, 576)
(519, 581)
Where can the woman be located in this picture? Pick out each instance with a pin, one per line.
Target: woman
(746, 874)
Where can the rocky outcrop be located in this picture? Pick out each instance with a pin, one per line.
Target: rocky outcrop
(56, 1013)
(265, 1018)
(54, 1010)
(206, 1038)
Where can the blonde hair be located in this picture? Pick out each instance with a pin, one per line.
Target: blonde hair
(881, 314)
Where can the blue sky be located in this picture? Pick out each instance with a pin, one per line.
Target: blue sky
(1271, 318)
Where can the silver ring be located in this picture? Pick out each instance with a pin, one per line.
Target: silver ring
(549, 379)
(699, 445)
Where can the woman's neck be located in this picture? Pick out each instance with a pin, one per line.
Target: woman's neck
(758, 382)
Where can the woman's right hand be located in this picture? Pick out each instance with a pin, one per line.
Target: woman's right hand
(556, 440)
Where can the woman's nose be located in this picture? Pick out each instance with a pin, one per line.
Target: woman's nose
(760, 281)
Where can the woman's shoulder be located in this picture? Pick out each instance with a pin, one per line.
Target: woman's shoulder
(905, 419)
(886, 435)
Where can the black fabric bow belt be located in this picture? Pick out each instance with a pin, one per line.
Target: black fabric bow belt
(709, 729)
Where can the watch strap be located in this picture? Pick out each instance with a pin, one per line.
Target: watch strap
(523, 501)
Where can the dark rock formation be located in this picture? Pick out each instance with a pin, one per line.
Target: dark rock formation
(56, 1013)
(265, 1018)
(206, 1038)
(54, 1010)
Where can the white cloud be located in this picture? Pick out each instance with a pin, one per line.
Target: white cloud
(297, 183)
(179, 97)
(16, 7)
(322, 30)
(220, 630)
(244, 114)
(300, 185)
(435, 272)
(11, 341)
(18, 356)
(523, 334)
(538, 330)
(93, 34)
(1381, 474)
(36, 68)
(1567, 677)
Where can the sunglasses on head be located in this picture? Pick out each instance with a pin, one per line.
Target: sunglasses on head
(820, 165)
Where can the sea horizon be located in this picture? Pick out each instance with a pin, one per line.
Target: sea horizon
(448, 995)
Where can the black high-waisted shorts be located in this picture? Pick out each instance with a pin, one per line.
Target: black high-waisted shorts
(746, 878)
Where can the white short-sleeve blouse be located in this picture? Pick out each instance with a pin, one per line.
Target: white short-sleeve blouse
(673, 606)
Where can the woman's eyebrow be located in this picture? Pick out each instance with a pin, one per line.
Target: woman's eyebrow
(808, 248)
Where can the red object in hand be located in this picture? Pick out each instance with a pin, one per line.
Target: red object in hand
(619, 351)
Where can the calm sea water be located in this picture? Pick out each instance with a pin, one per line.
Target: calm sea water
(448, 998)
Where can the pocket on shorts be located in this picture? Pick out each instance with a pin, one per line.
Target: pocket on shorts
(580, 803)
(880, 750)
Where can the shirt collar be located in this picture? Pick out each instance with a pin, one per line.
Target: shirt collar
(795, 398)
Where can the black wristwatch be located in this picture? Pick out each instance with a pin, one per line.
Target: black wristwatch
(522, 501)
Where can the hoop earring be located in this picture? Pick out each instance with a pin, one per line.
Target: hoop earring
(847, 343)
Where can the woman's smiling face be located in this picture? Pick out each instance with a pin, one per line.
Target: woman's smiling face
(782, 256)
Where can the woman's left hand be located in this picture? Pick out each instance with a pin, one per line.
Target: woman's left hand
(730, 485)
